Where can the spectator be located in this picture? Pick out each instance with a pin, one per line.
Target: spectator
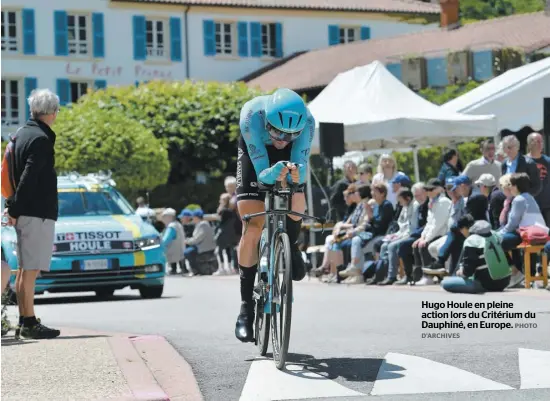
(449, 166)
(226, 235)
(485, 165)
(436, 226)
(186, 217)
(202, 240)
(524, 212)
(341, 239)
(517, 163)
(505, 186)
(173, 241)
(500, 156)
(231, 189)
(476, 204)
(420, 216)
(390, 245)
(338, 204)
(487, 185)
(33, 209)
(386, 172)
(535, 145)
(365, 174)
(6, 272)
(144, 211)
(483, 266)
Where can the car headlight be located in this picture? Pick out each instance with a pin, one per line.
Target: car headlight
(148, 243)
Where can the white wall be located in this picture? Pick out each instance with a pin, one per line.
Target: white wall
(299, 33)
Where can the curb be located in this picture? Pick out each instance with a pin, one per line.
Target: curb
(153, 369)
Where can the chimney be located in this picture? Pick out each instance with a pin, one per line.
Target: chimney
(450, 14)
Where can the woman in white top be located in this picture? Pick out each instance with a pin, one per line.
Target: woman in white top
(386, 172)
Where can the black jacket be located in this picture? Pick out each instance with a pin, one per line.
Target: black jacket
(35, 176)
(338, 203)
(528, 165)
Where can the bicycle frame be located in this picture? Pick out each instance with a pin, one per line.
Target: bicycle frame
(275, 224)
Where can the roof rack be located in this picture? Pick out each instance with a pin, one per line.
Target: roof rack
(99, 178)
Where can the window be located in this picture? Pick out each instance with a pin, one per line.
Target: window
(77, 27)
(11, 99)
(78, 89)
(155, 43)
(269, 40)
(10, 31)
(348, 35)
(224, 37)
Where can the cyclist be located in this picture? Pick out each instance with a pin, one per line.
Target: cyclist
(276, 135)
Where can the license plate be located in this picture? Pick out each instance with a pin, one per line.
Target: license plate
(96, 264)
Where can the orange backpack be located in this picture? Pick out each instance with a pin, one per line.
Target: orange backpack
(8, 169)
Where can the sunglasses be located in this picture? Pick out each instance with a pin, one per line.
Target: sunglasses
(278, 135)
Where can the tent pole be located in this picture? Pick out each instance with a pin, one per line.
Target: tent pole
(310, 212)
(416, 168)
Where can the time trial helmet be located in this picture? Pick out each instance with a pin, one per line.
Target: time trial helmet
(286, 115)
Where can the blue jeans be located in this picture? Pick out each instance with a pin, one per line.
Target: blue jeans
(547, 248)
(509, 242)
(452, 247)
(405, 252)
(390, 252)
(357, 251)
(464, 285)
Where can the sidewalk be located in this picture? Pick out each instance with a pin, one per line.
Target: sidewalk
(85, 365)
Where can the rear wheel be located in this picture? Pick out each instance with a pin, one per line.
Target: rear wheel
(282, 298)
(262, 321)
(151, 292)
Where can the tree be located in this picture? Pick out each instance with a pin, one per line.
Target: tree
(91, 138)
(197, 122)
(448, 93)
(475, 10)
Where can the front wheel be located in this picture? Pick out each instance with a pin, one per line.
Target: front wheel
(281, 306)
(151, 292)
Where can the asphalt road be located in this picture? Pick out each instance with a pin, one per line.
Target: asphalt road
(347, 341)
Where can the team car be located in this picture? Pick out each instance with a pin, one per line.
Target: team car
(100, 243)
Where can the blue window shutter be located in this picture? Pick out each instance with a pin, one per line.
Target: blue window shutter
(98, 35)
(175, 39)
(365, 33)
(242, 33)
(209, 37)
(30, 85)
(255, 39)
(437, 71)
(140, 44)
(29, 41)
(395, 70)
(278, 40)
(483, 65)
(64, 91)
(100, 84)
(61, 33)
(333, 35)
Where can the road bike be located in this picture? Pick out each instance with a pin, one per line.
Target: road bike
(273, 290)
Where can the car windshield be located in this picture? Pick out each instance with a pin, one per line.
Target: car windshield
(92, 203)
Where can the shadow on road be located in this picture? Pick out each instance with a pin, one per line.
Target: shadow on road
(351, 369)
(91, 298)
(7, 342)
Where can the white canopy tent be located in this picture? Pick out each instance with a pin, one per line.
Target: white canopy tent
(515, 97)
(379, 111)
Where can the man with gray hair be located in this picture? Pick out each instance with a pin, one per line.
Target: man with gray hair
(535, 145)
(337, 201)
(33, 209)
(517, 163)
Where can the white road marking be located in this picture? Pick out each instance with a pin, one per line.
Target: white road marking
(266, 383)
(407, 374)
(534, 368)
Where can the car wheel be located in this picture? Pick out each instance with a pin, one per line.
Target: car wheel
(151, 292)
(104, 293)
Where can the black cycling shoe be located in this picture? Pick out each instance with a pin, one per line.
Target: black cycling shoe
(244, 328)
(298, 266)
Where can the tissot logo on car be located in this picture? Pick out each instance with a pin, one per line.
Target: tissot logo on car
(90, 235)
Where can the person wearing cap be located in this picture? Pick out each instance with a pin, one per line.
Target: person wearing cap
(201, 241)
(486, 164)
(173, 240)
(476, 204)
(185, 217)
(487, 185)
(400, 181)
(436, 226)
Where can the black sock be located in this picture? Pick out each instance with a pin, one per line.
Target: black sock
(21, 320)
(248, 276)
(29, 321)
(293, 228)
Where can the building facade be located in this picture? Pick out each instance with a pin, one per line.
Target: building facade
(71, 46)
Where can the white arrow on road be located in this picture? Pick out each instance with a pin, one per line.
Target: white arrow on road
(407, 374)
(266, 383)
(534, 368)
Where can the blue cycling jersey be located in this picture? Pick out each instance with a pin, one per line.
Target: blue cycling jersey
(256, 137)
